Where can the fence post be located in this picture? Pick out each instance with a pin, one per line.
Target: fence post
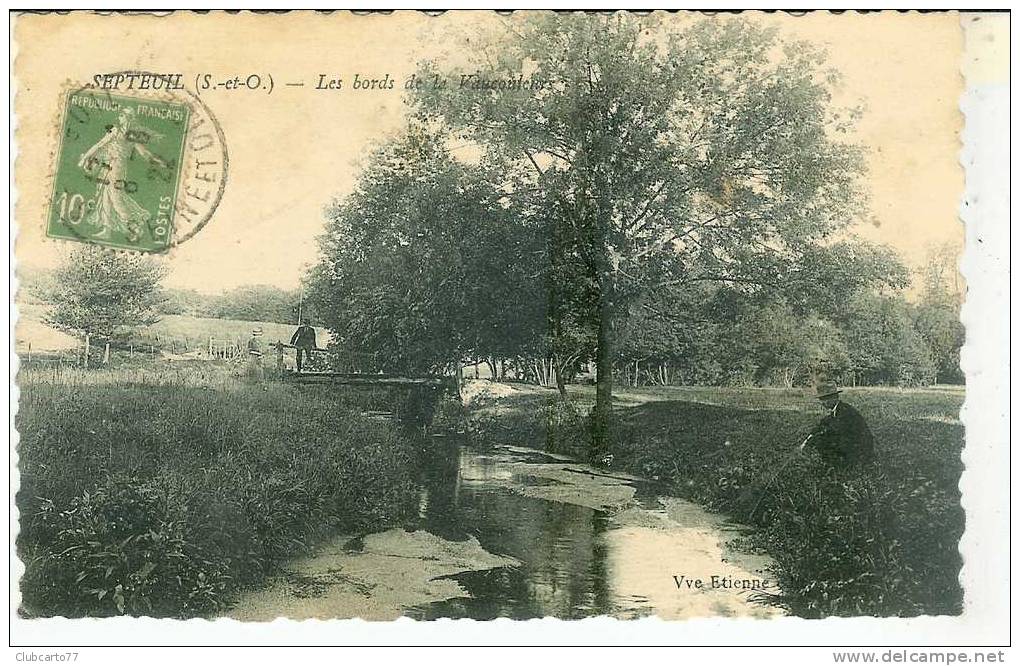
(131, 350)
(29, 352)
(279, 356)
(85, 362)
(106, 353)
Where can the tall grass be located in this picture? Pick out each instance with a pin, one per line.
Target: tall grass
(883, 542)
(165, 491)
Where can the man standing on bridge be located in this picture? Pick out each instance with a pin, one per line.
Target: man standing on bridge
(304, 341)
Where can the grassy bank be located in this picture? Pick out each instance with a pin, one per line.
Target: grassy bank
(163, 491)
(880, 544)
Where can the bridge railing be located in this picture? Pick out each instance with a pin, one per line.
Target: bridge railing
(279, 346)
(421, 395)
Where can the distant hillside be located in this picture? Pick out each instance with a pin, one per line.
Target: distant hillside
(189, 318)
(194, 331)
(200, 329)
(31, 329)
(33, 282)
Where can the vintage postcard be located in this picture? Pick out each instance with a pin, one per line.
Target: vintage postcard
(647, 318)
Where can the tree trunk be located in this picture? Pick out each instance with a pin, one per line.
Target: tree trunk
(602, 414)
(561, 386)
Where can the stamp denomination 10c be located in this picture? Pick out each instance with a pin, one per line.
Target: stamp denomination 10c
(118, 170)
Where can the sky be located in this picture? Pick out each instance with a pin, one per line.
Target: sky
(294, 151)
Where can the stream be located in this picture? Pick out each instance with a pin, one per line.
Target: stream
(514, 532)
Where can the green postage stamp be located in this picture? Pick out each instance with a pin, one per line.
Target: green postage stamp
(118, 170)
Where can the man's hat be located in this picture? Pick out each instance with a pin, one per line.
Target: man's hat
(825, 389)
(257, 331)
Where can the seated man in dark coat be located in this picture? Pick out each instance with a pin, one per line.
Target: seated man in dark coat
(304, 340)
(842, 437)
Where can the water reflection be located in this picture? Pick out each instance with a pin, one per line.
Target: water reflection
(520, 534)
(576, 560)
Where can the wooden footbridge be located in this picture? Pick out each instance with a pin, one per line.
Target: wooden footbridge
(421, 396)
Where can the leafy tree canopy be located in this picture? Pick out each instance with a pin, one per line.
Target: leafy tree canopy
(105, 294)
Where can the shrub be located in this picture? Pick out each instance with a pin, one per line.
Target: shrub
(118, 549)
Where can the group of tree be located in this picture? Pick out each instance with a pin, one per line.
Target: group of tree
(258, 302)
(698, 171)
(858, 327)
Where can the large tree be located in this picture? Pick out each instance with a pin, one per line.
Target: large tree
(426, 264)
(103, 293)
(671, 153)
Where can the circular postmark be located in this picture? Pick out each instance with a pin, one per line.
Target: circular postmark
(142, 163)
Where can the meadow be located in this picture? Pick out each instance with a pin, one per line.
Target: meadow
(187, 332)
(201, 328)
(881, 543)
(165, 490)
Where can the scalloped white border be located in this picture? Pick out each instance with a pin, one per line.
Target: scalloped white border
(985, 486)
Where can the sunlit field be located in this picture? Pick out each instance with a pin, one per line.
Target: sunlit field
(186, 333)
